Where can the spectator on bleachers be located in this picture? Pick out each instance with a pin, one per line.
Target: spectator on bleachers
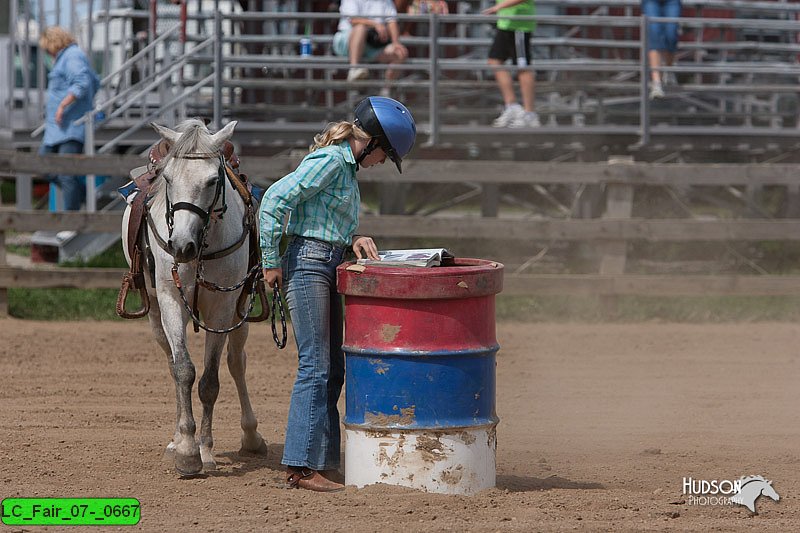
(71, 86)
(512, 41)
(368, 31)
(423, 7)
(662, 42)
(420, 7)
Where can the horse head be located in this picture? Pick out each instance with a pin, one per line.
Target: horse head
(769, 492)
(191, 185)
(751, 488)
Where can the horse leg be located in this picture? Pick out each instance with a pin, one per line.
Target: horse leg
(161, 338)
(187, 452)
(252, 441)
(208, 389)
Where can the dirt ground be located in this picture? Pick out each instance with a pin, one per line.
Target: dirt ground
(599, 426)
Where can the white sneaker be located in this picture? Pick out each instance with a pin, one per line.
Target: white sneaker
(355, 74)
(669, 80)
(526, 120)
(656, 91)
(510, 113)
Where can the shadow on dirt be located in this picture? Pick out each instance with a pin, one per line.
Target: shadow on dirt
(531, 484)
(236, 463)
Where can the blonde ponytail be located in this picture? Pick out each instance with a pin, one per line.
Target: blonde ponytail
(337, 132)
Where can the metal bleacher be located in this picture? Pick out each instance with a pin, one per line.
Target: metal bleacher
(737, 69)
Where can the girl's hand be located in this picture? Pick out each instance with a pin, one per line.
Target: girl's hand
(273, 276)
(365, 247)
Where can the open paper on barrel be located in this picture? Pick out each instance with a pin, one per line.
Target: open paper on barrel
(419, 257)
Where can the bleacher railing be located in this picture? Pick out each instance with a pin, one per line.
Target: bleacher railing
(738, 75)
(731, 85)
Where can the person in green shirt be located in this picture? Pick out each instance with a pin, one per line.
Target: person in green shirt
(321, 200)
(512, 42)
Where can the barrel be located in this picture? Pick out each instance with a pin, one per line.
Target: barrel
(420, 350)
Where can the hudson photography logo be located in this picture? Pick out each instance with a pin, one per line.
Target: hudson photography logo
(743, 491)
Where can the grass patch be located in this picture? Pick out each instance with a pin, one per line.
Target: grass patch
(99, 304)
(64, 304)
(18, 249)
(71, 304)
(7, 192)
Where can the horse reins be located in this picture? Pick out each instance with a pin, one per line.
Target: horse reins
(277, 302)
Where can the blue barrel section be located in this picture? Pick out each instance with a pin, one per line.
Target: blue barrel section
(408, 390)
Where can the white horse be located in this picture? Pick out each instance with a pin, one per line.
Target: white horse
(194, 211)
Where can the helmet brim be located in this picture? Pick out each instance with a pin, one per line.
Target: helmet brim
(391, 154)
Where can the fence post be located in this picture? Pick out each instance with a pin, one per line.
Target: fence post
(490, 192)
(3, 290)
(88, 150)
(6, 87)
(433, 51)
(24, 192)
(217, 67)
(644, 104)
(619, 204)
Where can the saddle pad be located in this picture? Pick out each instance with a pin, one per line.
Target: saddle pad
(129, 190)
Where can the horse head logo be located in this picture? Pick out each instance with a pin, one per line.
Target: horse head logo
(751, 488)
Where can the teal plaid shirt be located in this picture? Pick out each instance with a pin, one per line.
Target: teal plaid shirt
(322, 198)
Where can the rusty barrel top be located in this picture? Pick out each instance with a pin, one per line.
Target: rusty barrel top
(467, 278)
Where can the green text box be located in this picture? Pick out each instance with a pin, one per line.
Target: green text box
(70, 511)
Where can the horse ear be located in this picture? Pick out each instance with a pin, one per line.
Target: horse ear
(223, 135)
(171, 136)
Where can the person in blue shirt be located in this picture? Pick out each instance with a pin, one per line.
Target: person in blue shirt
(71, 86)
(322, 200)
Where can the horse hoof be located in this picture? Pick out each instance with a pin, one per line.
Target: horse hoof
(198, 475)
(258, 449)
(188, 465)
(208, 467)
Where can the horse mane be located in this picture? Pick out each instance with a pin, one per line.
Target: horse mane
(748, 479)
(195, 139)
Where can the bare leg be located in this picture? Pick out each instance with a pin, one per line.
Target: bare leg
(252, 441)
(527, 85)
(391, 56)
(655, 63)
(505, 82)
(355, 46)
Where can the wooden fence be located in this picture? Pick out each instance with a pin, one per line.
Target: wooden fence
(610, 232)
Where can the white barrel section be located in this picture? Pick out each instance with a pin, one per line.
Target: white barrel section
(451, 463)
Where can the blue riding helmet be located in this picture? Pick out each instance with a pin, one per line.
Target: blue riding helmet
(390, 124)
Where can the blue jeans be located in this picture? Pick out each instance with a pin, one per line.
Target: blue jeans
(73, 188)
(313, 438)
(662, 36)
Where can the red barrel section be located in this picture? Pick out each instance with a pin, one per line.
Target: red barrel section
(421, 309)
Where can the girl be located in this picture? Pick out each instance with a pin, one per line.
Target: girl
(323, 200)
